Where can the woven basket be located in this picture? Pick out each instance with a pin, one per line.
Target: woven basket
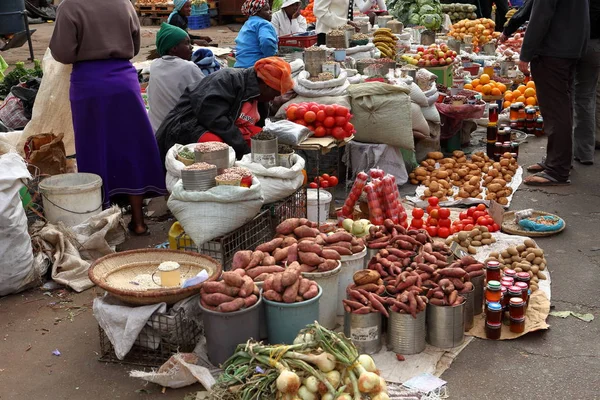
(114, 273)
(510, 226)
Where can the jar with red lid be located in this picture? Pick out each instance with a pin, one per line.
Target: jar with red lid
(493, 313)
(517, 325)
(504, 298)
(493, 292)
(492, 271)
(514, 111)
(508, 280)
(514, 291)
(523, 277)
(516, 308)
(510, 273)
(498, 151)
(493, 113)
(524, 291)
(493, 331)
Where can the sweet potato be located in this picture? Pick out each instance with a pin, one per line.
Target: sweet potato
(310, 247)
(327, 265)
(203, 303)
(288, 226)
(288, 241)
(377, 304)
(292, 253)
(339, 237)
(363, 310)
(309, 258)
(330, 254)
(250, 300)
(273, 296)
(257, 257)
(281, 254)
(304, 286)
(473, 274)
(411, 280)
(247, 287)
(365, 276)
(214, 299)
(240, 272)
(307, 268)
(474, 267)
(231, 306)
(437, 302)
(356, 295)
(303, 221)
(452, 297)
(342, 251)
(305, 231)
(277, 285)
(467, 287)
(320, 240)
(233, 279)
(312, 291)
(220, 287)
(328, 227)
(452, 272)
(268, 283)
(254, 272)
(270, 246)
(289, 296)
(289, 278)
(241, 259)
(358, 248)
(352, 304)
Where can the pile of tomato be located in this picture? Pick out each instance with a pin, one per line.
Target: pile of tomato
(324, 181)
(322, 120)
(475, 216)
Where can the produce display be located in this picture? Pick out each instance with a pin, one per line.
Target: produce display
(322, 120)
(359, 228)
(235, 292)
(526, 257)
(525, 94)
(475, 216)
(391, 234)
(289, 286)
(479, 31)
(385, 42)
(324, 181)
(427, 13)
(512, 45)
(458, 11)
(19, 74)
(321, 364)
(432, 56)
(364, 295)
(486, 86)
(307, 12)
(479, 236)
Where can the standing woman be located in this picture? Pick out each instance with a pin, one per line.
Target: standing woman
(179, 17)
(257, 39)
(113, 136)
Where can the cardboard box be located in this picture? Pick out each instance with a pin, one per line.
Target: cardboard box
(444, 74)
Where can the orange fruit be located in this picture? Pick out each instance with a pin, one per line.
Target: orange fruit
(468, 86)
(530, 84)
(486, 89)
(521, 99)
(530, 101)
(529, 92)
(484, 78)
(479, 88)
(522, 88)
(508, 97)
(506, 104)
(475, 83)
(502, 87)
(496, 92)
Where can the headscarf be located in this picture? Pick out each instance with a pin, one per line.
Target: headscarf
(252, 7)
(205, 59)
(168, 37)
(276, 73)
(178, 6)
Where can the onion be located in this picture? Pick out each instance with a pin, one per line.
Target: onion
(288, 382)
(325, 362)
(344, 396)
(304, 338)
(312, 384)
(334, 378)
(381, 396)
(306, 394)
(368, 382)
(383, 385)
(327, 396)
(367, 363)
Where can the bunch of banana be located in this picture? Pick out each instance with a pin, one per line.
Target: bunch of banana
(385, 41)
(510, 14)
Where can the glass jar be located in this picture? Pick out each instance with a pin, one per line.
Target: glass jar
(504, 298)
(523, 277)
(493, 331)
(517, 325)
(513, 125)
(514, 112)
(497, 151)
(510, 273)
(505, 147)
(492, 132)
(516, 308)
(530, 114)
(514, 148)
(490, 149)
(493, 113)
(493, 313)
(521, 124)
(493, 292)
(507, 281)
(522, 114)
(492, 271)
(524, 290)
(514, 292)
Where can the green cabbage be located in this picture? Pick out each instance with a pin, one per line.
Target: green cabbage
(426, 9)
(431, 21)
(414, 19)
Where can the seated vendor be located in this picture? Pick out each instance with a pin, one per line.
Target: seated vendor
(288, 20)
(179, 18)
(257, 39)
(222, 107)
(170, 74)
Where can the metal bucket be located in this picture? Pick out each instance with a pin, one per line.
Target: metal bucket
(198, 181)
(286, 160)
(469, 310)
(445, 325)
(478, 294)
(219, 158)
(364, 330)
(406, 335)
(264, 152)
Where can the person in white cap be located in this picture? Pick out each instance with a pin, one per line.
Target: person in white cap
(288, 20)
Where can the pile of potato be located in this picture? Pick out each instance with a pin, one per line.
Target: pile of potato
(234, 292)
(499, 175)
(289, 286)
(479, 236)
(526, 257)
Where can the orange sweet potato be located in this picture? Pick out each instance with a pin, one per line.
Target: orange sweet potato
(304, 286)
(219, 287)
(254, 272)
(340, 250)
(288, 226)
(305, 231)
(327, 265)
(289, 278)
(214, 299)
(257, 257)
(250, 301)
(233, 279)
(241, 259)
(273, 296)
(312, 291)
(292, 253)
(269, 260)
(309, 247)
(281, 254)
(269, 247)
(288, 241)
(289, 296)
(247, 287)
(231, 306)
(339, 237)
(310, 258)
(330, 254)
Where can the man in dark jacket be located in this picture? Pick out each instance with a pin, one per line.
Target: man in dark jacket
(517, 20)
(485, 10)
(555, 40)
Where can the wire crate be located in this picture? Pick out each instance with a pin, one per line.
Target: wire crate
(293, 206)
(163, 336)
(247, 237)
(329, 163)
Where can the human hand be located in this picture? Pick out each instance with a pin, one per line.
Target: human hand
(356, 27)
(503, 38)
(524, 67)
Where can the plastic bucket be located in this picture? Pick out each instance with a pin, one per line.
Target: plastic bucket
(284, 320)
(328, 281)
(445, 325)
(350, 264)
(469, 304)
(223, 333)
(370, 254)
(317, 210)
(478, 294)
(365, 331)
(71, 198)
(406, 335)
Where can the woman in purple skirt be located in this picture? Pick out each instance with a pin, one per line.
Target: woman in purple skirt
(113, 136)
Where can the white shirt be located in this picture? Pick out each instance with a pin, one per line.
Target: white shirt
(169, 76)
(330, 14)
(283, 26)
(365, 6)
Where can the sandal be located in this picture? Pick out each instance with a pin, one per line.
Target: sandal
(133, 232)
(539, 167)
(543, 179)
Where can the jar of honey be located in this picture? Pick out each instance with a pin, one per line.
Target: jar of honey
(493, 331)
(524, 291)
(514, 292)
(492, 132)
(510, 273)
(530, 114)
(493, 113)
(505, 147)
(493, 292)
(539, 127)
(516, 308)
(521, 124)
(504, 298)
(503, 134)
(514, 112)
(490, 149)
(514, 149)
(497, 151)
(517, 325)
(492, 271)
(523, 277)
(522, 113)
(493, 313)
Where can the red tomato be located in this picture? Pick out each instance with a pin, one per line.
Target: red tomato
(349, 128)
(468, 227)
(471, 210)
(325, 176)
(468, 220)
(338, 133)
(321, 115)
(432, 221)
(311, 127)
(433, 201)
(416, 223)
(313, 185)
(327, 131)
(444, 213)
(330, 110)
(418, 213)
(482, 221)
(444, 222)
(329, 122)
(403, 216)
(443, 232)
(315, 109)
(300, 111)
(478, 214)
(324, 183)
(463, 215)
(291, 113)
(333, 181)
(481, 207)
(301, 122)
(456, 229)
(319, 131)
(434, 213)
(310, 116)
(340, 121)
(341, 111)
(346, 210)
(489, 220)
(495, 227)
(321, 106)
(432, 230)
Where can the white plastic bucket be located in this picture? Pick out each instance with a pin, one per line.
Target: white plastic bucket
(318, 206)
(350, 264)
(328, 303)
(71, 198)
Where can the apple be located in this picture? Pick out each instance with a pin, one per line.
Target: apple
(420, 53)
(420, 48)
(417, 57)
(441, 54)
(449, 60)
(444, 47)
(454, 54)
(414, 62)
(428, 63)
(434, 62)
(421, 63)
(442, 61)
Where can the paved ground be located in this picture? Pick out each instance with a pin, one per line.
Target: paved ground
(561, 363)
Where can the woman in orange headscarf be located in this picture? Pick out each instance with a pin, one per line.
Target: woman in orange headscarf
(223, 107)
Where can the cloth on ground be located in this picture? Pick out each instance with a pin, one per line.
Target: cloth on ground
(364, 156)
(180, 370)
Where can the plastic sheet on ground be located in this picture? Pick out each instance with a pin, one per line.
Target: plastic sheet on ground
(179, 371)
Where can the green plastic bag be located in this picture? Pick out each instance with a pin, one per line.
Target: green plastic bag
(3, 67)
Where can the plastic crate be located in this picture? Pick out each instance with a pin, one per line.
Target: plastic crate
(293, 206)
(175, 333)
(247, 237)
(199, 21)
(301, 40)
